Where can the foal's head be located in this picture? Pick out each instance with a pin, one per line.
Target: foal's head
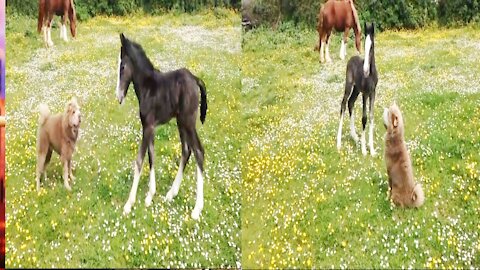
(369, 48)
(125, 72)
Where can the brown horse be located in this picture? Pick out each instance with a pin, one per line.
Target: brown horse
(47, 9)
(342, 16)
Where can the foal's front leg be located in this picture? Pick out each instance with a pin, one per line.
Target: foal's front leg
(364, 124)
(151, 184)
(147, 136)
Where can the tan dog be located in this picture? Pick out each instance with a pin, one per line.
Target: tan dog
(403, 190)
(57, 133)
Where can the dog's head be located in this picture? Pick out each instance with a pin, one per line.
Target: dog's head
(393, 120)
(73, 113)
(418, 198)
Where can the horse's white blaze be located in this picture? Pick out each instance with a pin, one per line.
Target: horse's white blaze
(353, 133)
(370, 138)
(364, 147)
(339, 134)
(176, 184)
(118, 90)
(151, 188)
(366, 63)
(199, 202)
(133, 192)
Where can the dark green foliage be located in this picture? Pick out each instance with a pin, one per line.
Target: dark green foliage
(90, 8)
(387, 14)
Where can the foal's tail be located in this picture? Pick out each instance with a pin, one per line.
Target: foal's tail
(41, 7)
(44, 114)
(203, 99)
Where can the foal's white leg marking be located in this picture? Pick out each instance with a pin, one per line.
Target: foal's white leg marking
(339, 134)
(133, 192)
(327, 51)
(353, 133)
(364, 147)
(176, 184)
(322, 48)
(342, 50)
(366, 63)
(151, 188)
(199, 203)
(370, 139)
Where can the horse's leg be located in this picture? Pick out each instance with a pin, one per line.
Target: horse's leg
(49, 30)
(151, 184)
(343, 48)
(351, 103)
(322, 48)
(147, 137)
(364, 124)
(346, 95)
(186, 152)
(327, 50)
(370, 138)
(199, 156)
(63, 28)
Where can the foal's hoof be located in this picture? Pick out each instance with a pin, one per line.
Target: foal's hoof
(170, 195)
(196, 213)
(148, 200)
(127, 208)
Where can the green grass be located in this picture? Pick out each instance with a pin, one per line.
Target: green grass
(307, 205)
(85, 227)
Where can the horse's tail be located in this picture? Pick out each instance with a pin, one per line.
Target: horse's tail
(355, 16)
(44, 114)
(41, 8)
(203, 99)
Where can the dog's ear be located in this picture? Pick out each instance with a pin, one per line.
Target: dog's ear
(394, 120)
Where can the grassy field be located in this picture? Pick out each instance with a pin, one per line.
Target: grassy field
(307, 205)
(85, 227)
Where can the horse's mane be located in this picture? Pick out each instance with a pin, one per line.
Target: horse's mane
(139, 58)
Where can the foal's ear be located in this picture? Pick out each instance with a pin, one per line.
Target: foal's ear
(123, 39)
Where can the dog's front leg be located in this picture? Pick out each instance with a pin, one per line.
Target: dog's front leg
(70, 171)
(65, 175)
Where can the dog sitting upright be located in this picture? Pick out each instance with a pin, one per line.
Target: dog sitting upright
(403, 190)
(57, 133)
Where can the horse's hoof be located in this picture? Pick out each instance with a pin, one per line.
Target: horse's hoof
(67, 186)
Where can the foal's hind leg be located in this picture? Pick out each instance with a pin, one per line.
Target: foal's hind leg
(199, 156)
(346, 95)
(186, 152)
(351, 103)
(138, 164)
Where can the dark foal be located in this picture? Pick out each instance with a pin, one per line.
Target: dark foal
(361, 77)
(161, 97)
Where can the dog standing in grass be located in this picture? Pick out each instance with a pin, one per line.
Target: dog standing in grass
(403, 189)
(57, 133)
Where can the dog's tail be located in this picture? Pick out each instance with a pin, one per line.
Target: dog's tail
(44, 114)
(418, 198)
(203, 99)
